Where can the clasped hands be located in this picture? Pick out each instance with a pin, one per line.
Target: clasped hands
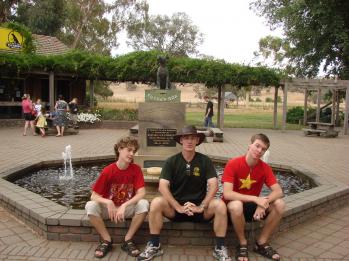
(116, 214)
(190, 209)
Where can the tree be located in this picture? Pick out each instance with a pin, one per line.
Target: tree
(80, 24)
(175, 35)
(317, 33)
(41, 16)
(6, 10)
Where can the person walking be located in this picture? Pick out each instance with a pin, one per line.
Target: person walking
(208, 113)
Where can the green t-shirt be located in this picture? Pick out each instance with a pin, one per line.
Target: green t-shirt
(188, 182)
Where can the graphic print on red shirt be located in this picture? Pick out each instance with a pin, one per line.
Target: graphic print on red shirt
(119, 185)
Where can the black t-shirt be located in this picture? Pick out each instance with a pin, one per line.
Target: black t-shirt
(188, 184)
(209, 106)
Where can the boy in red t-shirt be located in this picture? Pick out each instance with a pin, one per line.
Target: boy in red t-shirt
(118, 194)
(243, 179)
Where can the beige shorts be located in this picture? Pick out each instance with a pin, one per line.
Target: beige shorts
(100, 210)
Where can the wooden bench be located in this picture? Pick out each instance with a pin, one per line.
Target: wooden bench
(217, 134)
(321, 128)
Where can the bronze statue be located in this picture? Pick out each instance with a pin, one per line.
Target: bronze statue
(162, 80)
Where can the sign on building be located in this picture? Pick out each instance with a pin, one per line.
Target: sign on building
(10, 39)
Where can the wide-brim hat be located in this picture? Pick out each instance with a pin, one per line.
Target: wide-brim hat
(189, 130)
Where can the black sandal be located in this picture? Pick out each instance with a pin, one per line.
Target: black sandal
(104, 247)
(130, 248)
(241, 252)
(266, 250)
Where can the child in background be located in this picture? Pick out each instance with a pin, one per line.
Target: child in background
(41, 121)
(38, 106)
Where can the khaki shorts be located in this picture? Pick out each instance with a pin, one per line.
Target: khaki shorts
(100, 210)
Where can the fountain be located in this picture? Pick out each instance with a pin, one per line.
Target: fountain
(67, 156)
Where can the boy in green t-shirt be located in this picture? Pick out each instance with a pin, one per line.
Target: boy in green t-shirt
(184, 196)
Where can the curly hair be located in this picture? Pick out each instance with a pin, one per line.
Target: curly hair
(125, 143)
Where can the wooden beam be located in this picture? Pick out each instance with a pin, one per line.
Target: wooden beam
(92, 91)
(305, 115)
(219, 107)
(51, 91)
(284, 107)
(275, 114)
(334, 100)
(346, 113)
(318, 103)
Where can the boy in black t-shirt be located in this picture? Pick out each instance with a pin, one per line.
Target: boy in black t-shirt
(183, 182)
(208, 113)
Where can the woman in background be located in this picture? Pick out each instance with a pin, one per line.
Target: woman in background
(60, 120)
(27, 107)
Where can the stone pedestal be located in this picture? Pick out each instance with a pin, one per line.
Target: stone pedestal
(159, 118)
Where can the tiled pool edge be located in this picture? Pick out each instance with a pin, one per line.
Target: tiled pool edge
(56, 222)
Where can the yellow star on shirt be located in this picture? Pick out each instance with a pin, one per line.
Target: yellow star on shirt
(246, 183)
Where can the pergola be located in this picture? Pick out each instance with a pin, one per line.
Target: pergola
(319, 85)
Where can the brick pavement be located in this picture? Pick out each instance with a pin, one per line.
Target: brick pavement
(323, 238)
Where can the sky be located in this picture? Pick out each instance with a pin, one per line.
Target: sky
(231, 30)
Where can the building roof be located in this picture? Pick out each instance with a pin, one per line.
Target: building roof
(48, 45)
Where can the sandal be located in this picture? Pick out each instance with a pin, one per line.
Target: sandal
(104, 247)
(241, 252)
(130, 248)
(266, 250)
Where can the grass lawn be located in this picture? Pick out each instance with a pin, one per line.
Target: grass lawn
(253, 117)
(242, 119)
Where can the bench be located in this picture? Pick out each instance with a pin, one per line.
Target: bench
(320, 129)
(217, 134)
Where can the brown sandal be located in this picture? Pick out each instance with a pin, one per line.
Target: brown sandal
(104, 247)
(266, 250)
(130, 248)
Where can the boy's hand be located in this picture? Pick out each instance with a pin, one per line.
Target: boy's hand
(111, 210)
(120, 214)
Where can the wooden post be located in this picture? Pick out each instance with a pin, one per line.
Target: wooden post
(275, 114)
(284, 107)
(318, 105)
(91, 94)
(51, 91)
(305, 115)
(346, 113)
(334, 100)
(219, 107)
(221, 113)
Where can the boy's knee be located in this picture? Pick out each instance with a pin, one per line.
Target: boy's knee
(93, 208)
(142, 206)
(235, 207)
(279, 205)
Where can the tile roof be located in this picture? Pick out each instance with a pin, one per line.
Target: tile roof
(48, 45)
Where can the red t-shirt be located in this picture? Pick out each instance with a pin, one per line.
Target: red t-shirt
(119, 185)
(27, 106)
(246, 180)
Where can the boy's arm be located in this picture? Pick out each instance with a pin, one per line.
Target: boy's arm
(166, 193)
(230, 195)
(276, 193)
(140, 193)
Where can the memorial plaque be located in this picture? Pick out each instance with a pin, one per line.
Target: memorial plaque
(162, 96)
(161, 137)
